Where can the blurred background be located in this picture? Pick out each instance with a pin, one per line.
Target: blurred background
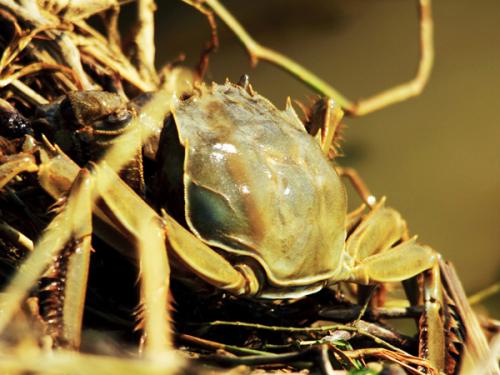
(435, 157)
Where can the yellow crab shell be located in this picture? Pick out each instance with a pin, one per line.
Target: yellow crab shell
(257, 185)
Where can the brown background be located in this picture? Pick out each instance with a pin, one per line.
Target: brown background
(436, 157)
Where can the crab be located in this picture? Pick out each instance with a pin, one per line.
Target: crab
(245, 199)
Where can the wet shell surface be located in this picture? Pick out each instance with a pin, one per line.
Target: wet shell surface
(256, 184)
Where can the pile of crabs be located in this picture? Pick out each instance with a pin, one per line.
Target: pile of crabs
(149, 215)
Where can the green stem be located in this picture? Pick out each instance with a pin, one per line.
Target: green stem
(256, 51)
(484, 294)
(325, 328)
(360, 107)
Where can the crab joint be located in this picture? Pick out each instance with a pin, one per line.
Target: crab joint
(252, 281)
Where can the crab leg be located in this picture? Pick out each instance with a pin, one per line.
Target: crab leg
(208, 264)
(374, 258)
(66, 330)
(74, 221)
(432, 317)
(358, 184)
(327, 116)
(368, 239)
(78, 253)
(144, 227)
(126, 212)
(400, 263)
(132, 217)
(478, 357)
(57, 234)
(14, 165)
(138, 222)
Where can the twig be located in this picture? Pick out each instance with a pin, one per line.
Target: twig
(19, 43)
(24, 40)
(16, 237)
(415, 86)
(30, 16)
(117, 63)
(342, 355)
(213, 43)
(77, 10)
(399, 358)
(324, 361)
(379, 332)
(259, 360)
(113, 34)
(258, 52)
(145, 40)
(396, 94)
(365, 305)
(374, 313)
(325, 328)
(209, 344)
(30, 94)
(8, 77)
(299, 359)
(484, 294)
(69, 54)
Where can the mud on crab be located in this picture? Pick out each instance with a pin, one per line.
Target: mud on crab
(264, 210)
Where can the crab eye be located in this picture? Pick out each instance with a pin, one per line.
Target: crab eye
(119, 118)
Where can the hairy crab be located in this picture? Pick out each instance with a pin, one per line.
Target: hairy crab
(246, 199)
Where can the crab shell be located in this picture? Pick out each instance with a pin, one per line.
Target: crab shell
(256, 185)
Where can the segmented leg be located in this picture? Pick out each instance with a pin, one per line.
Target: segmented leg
(137, 222)
(359, 185)
(145, 229)
(74, 222)
(432, 323)
(381, 252)
(207, 263)
(477, 357)
(133, 218)
(66, 225)
(63, 298)
(325, 115)
(15, 164)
